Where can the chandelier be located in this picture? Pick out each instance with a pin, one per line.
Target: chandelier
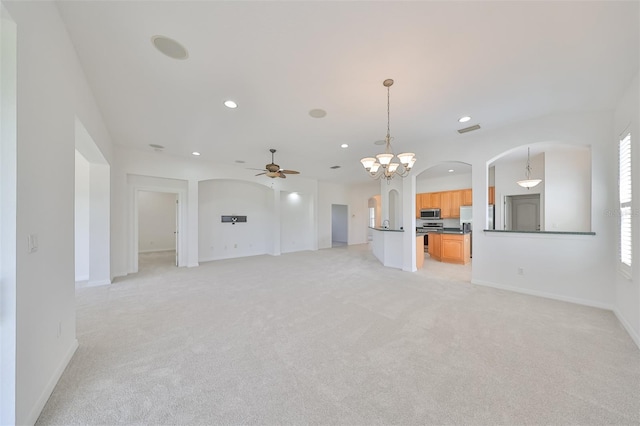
(383, 165)
(528, 182)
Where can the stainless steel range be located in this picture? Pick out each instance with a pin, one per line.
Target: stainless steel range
(436, 225)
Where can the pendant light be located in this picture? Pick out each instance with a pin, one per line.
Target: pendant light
(528, 182)
(383, 166)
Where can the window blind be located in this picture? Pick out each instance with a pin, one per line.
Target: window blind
(625, 200)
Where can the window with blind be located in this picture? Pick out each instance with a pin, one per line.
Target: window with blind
(624, 184)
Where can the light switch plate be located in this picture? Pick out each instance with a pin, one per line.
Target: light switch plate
(32, 243)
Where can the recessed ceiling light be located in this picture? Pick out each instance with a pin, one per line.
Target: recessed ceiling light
(464, 119)
(317, 113)
(169, 47)
(380, 142)
(450, 170)
(344, 145)
(230, 104)
(196, 153)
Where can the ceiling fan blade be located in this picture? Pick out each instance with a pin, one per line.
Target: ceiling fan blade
(290, 172)
(263, 173)
(251, 168)
(282, 175)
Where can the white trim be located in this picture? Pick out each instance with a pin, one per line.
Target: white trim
(553, 296)
(48, 389)
(98, 283)
(156, 250)
(634, 336)
(82, 278)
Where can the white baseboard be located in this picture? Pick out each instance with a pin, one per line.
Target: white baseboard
(48, 390)
(156, 250)
(98, 282)
(634, 335)
(546, 295)
(82, 278)
(193, 265)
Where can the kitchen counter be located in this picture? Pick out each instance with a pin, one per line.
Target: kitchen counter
(454, 231)
(387, 229)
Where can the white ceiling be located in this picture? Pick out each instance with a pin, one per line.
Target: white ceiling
(499, 62)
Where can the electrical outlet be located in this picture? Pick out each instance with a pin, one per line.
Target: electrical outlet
(520, 271)
(59, 329)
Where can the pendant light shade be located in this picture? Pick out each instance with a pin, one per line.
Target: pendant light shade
(528, 182)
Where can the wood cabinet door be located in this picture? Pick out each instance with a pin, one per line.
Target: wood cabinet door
(467, 197)
(434, 245)
(435, 200)
(455, 200)
(445, 204)
(418, 204)
(452, 248)
(492, 195)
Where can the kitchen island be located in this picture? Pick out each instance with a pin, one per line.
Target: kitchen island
(386, 245)
(450, 246)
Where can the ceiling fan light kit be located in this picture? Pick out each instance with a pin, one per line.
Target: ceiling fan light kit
(383, 166)
(273, 170)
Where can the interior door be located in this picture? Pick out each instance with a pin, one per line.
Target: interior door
(525, 212)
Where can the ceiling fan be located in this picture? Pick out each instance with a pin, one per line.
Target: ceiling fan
(273, 170)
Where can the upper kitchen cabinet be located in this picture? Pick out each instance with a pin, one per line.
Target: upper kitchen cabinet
(446, 186)
(561, 202)
(467, 197)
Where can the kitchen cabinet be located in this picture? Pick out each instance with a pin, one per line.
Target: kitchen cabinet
(419, 251)
(492, 195)
(450, 204)
(434, 245)
(450, 248)
(467, 197)
(456, 248)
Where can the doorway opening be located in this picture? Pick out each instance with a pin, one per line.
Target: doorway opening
(339, 225)
(157, 230)
(522, 212)
(92, 198)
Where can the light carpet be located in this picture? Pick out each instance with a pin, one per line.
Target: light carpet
(332, 337)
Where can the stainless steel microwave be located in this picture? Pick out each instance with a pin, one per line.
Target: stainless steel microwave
(430, 214)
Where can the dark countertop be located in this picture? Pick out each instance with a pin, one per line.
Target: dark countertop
(387, 229)
(456, 231)
(539, 232)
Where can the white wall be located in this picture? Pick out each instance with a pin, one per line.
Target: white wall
(572, 268)
(8, 206)
(156, 221)
(297, 222)
(220, 197)
(52, 91)
(627, 297)
(81, 218)
(444, 183)
(147, 163)
(567, 195)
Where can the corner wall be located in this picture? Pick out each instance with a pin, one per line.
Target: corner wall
(52, 91)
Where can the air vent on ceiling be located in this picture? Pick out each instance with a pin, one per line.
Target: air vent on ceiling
(469, 129)
(334, 167)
